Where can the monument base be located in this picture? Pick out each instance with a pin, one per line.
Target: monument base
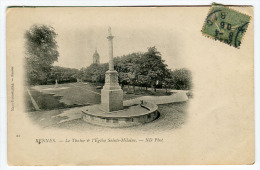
(112, 100)
(112, 94)
(132, 115)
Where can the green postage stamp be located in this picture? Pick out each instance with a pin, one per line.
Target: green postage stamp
(226, 25)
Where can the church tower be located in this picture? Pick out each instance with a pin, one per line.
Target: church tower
(96, 58)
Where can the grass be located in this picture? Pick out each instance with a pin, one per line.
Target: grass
(73, 96)
(44, 101)
(78, 94)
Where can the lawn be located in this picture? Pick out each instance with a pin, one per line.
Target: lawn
(65, 96)
(71, 95)
(44, 101)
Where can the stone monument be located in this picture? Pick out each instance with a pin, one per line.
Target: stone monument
(111, 94)
(111, 111)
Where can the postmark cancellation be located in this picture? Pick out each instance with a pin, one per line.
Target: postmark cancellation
(226, 25)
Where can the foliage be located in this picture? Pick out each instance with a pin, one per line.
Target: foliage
(153, 66)
(94, 73)
(140, 69)
(128, 67)
(41, 53)
(143, 69)
(181, 79)
(167, 83)
(63, 75)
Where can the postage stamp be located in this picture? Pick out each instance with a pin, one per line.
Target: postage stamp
(226, 25)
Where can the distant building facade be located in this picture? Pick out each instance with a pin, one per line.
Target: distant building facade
(96, 58)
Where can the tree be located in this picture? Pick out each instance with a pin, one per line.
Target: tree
(181, 79)
(128, 67)
(142, 69)
(94, 73)
(63, 74)
(144, 81)
(167, 84)
(153, 66)
(41, 53)
(123, 79)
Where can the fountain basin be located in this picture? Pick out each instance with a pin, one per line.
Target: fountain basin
(132, 115)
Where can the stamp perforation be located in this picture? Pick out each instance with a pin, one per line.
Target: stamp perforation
(239, 29)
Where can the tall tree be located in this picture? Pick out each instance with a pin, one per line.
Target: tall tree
(128, 67)
(95, 73)
(41, 53)
(182, 79)
(153, 66)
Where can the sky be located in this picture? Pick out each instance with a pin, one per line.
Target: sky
(81, 32)
(78, 45)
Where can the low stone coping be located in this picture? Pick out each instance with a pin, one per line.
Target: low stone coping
(133, 115)
(129, 111)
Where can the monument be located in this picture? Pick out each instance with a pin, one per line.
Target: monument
(111, 94)
(111, 112)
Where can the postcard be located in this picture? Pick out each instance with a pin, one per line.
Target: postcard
(130, 85)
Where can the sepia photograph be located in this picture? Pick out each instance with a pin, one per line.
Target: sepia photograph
(125, 91)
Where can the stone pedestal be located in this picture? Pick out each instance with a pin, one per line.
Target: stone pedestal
(111, 94)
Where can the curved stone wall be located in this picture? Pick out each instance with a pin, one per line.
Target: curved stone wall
(109, 120)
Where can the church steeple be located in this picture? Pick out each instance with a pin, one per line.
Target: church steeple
(96, 58)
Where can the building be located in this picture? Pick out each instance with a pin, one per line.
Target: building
(96, 58)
